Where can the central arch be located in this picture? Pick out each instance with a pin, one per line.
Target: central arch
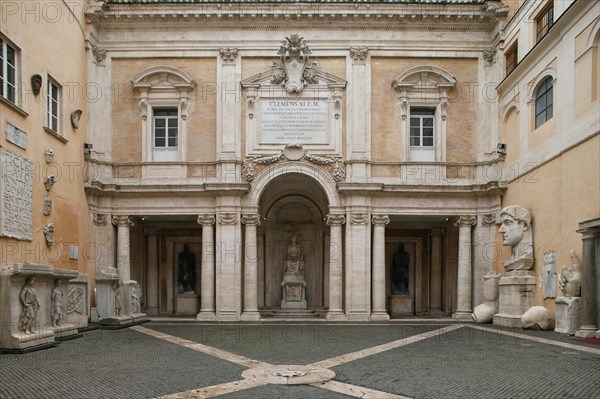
(294, 200)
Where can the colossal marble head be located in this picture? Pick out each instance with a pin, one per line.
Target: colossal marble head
(515, 222)
(516, 233)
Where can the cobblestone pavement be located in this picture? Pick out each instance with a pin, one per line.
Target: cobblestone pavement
(398, 359)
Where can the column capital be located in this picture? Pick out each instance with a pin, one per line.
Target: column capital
(380, 220)
(122, 221)
(227, 218)
(466, 220)
(334, 219)
(359, 218)
(99, 219)
(228, 54)
(206, 219)
(251, 219)
(359, 55)
(488, 219)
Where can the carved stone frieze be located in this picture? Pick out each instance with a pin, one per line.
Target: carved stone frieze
(228, 54)
(294, 152)
(295, 69)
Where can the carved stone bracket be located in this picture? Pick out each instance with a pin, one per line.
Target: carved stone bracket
(488, 219)
(334, 219)
(227, 218)
(122, 220)
(295, 69)
(228, 54)
(99, 219)
(253, 219)
(380, 220)
(99, 54)
(294, 152)
(359, 55)
(206, 219)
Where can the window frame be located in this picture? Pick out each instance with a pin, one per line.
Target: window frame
(513, 50)
(168, 119)
(545, 17)
(5, 83)
(53, 105)
(422, 113)
(544, 90)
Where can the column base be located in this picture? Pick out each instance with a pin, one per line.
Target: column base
(380, 315)
(586, 332)
(252, 315)
(152, 311)
(462, 315)
(335, 315)
(228, 316)
(206, 315)
(437, 312)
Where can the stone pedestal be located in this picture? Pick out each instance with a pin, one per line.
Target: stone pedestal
(105, 295)
(401, 305)
(517, 288)
(294, 292)
(187, 304)
(568, 315)
(13, 279)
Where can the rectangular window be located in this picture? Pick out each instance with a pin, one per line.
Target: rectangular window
(512, 58)
(53, 105)
(165, 134)
(422, 134)
(8, 71)
(544, 21)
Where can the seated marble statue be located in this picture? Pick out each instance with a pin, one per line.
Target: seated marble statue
(516, 233)
(569, 279)
(294, 260)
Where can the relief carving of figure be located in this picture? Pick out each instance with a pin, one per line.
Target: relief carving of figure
(399, 272)
(28, 298)
(569, 279)
(516, 233)
(135, 298)
(187, 270)
(57, 304)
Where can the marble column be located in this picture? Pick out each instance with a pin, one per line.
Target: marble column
(152, 307)
(123, 224)
(250, 268)
(463, 286)
(207, 276)
(589, 292)
(378, 291)
(228, 266)
(335, 311)
(436, 271)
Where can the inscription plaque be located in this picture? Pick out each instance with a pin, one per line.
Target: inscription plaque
(16, 193)
(16, 135)
(291, 121)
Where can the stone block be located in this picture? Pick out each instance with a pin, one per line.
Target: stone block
(187, 304)
(401, 305)
(568, 315)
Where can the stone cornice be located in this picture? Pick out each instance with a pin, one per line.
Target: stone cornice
(285, 16)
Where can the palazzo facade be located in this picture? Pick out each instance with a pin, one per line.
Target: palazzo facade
(384, 137)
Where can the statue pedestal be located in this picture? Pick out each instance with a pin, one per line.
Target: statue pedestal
(66, 332)
(187, 304)
(294, 292)
(568, 315)
(517, 288)
(400, 305)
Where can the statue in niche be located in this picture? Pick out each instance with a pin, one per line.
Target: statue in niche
(399, 272)
(187, 270)
(57, 304)
(116, 287)
(569, 279)
(516, 233)
(293, 284)
(28, 298)
(135, 298)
